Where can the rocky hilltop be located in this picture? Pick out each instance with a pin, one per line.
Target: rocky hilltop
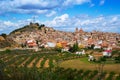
(40, 33)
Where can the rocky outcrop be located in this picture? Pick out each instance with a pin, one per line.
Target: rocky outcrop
(2, 38)
(7, 42)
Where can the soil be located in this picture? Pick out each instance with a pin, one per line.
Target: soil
(38, 64)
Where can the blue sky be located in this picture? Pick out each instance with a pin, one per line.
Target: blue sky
(66, 15)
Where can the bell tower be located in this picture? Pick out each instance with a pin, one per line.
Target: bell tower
(76, 30)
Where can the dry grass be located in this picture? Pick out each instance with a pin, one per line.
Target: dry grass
(10, 58)
(2, 57)
(46, 63)
(38, 64)
(32, 62)
(78, 64)
(24, 62)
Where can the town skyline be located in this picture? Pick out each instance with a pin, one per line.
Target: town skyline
(99, 15)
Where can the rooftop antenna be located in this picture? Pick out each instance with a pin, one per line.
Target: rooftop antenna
(34, 19)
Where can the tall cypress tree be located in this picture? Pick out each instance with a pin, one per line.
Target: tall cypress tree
(74, 48)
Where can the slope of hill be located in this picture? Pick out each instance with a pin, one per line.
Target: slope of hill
(29, 28)
(43, 34)
(40, 33)
(7, 42)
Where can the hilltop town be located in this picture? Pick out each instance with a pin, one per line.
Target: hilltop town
(37, 49)
(35, 35)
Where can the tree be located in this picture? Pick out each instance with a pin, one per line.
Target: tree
(42, 25)
(2, 67)
(92, 46)
(37, 24)
(101, 65)
(117, 59)
(4, 35)
(74, 48)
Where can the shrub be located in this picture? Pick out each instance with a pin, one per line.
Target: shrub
(117, 59)
(7, 51)
(118, 77)
(110, 77)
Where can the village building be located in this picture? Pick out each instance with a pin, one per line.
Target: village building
(49, 37)
(51, 44)
(80, 52)
(31, 43)
(107, 53)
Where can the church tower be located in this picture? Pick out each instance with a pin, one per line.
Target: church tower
(76, 30)
(81, 30)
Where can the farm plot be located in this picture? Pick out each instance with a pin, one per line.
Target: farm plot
(49, 66)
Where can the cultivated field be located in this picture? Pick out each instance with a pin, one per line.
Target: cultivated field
(82, 63)
(52, 65)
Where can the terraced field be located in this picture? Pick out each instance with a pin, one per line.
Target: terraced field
(29, 65)
(39, 60)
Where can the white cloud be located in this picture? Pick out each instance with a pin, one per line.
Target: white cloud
(28, 6)
(102, 2)
(58, 21)
(114, 19)
(74, 2)
(36, 3)
(8, 26)
(91, 5)
(101, 23)
(37, 6)
(52, 13)
(7, 23)
(67, 23)
(62, 18)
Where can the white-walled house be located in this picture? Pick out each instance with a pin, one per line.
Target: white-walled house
(107, 53)
(99, 41)
(80, 52)
(51, 44)
(91, 58)
(31, 43)
(65, 49)
(97, 47)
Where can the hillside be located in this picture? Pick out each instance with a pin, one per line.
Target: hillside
(29, 28)
(40, 33)
(43, 34)
(7, 42)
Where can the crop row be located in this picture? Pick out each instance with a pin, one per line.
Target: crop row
(36, 59)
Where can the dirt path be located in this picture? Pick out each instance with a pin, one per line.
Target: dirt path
(17, 61)
(32, 63)
(4, 57)
(38, 64)
(106, 76)
(46, 63)
(10, 58)
(24, 62)
(114, 77)
(97, 55)
(54, 61)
